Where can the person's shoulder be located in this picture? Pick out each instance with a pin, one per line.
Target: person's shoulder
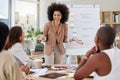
(100, 54)
(7, 58)
(99, 57)
(96, 59)
(64, 24)
(48, 23)
(6, 53)
(17, 45)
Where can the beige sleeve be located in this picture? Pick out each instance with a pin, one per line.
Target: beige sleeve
(11, 69)
(45, 32)
(66, 33)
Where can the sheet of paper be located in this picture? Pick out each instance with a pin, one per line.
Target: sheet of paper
(39, 72)
(71, 74)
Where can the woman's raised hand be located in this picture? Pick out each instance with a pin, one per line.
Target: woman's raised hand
(41, 37)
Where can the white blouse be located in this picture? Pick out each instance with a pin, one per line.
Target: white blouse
(18, 51)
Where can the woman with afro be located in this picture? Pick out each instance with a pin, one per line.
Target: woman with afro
(55, 33)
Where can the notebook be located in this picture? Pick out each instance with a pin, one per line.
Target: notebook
(53, 75)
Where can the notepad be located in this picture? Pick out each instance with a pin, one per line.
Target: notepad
(53, 75)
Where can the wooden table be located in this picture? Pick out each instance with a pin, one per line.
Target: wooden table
(30, 76)
(66, 71)
(37, 55)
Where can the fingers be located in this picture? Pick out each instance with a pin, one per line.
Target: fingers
(76, 40)
(25, 68)
(72, 39)
(92, 51)
(40, 37)
(79, 41)
(95, 49)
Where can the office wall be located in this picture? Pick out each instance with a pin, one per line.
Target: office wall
(43, 11)
(105, 5)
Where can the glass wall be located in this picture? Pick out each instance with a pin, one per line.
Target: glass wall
(27, 14)
(4, 11)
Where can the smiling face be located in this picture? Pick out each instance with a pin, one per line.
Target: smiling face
(22, 37)
(57, 16)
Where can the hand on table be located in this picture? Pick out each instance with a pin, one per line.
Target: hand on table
(25, 69)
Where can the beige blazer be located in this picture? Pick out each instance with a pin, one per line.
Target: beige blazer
(9, 69)
(52, 37)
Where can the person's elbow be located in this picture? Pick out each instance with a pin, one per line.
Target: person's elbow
(77, 77)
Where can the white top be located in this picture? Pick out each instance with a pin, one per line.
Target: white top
(114, 55)
(18, 51)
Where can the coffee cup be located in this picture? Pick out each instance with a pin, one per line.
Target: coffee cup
(32, 52)
(38, 63)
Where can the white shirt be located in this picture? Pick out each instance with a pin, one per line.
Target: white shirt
(18, 51)
(114, 55)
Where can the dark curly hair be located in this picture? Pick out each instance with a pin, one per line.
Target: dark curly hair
(58, 7)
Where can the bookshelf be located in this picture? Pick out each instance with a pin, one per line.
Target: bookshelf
(112, 18)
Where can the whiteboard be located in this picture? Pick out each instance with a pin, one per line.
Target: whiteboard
(84, 21)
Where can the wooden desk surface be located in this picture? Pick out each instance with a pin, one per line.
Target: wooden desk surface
(30, 76)
(40, 78)
(36, 56)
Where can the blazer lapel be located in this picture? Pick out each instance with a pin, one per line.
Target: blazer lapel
(60, 28)
(53, 28)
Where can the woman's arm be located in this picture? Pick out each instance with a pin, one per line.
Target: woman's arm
(45, 33)
(86, 66)
(43, 36)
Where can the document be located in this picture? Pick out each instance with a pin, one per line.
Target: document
(39, 72)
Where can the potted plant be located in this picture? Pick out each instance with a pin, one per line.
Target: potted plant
(37, 32)
(32, 33)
